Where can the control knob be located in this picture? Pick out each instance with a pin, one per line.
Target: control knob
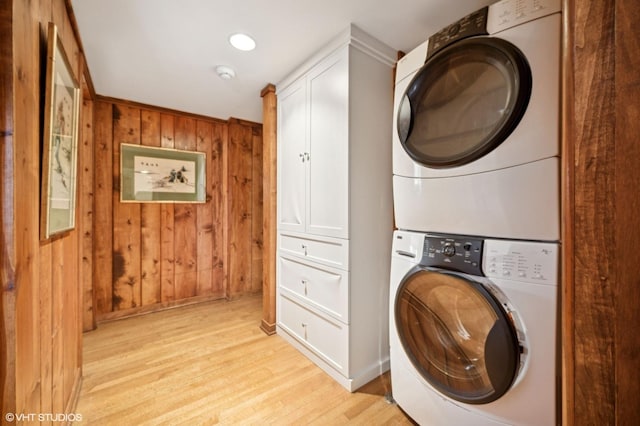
(449, 250)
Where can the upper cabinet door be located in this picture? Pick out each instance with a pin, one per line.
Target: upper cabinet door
(292, 156)
(328, 147)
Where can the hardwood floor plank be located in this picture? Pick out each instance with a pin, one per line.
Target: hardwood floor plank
(211, 364)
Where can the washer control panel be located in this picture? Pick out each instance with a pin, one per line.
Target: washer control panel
(521, 261)
(456, 253)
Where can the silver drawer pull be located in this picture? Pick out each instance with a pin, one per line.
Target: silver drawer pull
(406, 253)
(304, 247)
(304, 283)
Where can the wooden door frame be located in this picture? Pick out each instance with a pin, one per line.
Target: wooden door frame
(601, 224)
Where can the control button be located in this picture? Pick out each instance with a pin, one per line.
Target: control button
(467, 247)
(522, 274)
(453, 30)
(506, 273)
(449, 250)
(537, 276)
(492, 270)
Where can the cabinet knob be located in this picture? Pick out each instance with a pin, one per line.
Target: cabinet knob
(302, 156)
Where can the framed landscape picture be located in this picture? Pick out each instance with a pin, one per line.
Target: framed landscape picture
(162, 175)
(60, 141)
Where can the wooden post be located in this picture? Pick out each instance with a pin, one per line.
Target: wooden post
(269, 119)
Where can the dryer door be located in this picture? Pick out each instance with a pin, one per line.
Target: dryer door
(457, 335)
(464, 102)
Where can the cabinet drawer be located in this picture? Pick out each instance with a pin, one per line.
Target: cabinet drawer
(328, 251)
(324, 287)
(328, 339)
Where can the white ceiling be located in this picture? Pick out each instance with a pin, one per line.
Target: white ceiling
(164, 52)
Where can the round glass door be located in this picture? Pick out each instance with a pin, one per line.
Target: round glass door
(457, 336)
(464, 102)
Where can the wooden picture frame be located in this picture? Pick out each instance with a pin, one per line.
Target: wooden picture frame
(60, 141)
(161, 175)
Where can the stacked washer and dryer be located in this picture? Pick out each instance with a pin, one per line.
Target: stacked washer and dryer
(475, 260)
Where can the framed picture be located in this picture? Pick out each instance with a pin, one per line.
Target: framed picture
(161, 175)
(60, 141)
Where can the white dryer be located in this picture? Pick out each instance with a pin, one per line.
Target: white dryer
(476, 125)
(473, 330)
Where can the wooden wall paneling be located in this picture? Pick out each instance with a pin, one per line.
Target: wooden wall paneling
(103, 215)
(57, 332)
(150, 222)
(58, 14)
(167, 256)
(41, 317)
(218, 174)
(26, 206)
(126, 217)
(69, 320)
(594, 246)
(257, 242)
(185, 230)
(46, 328)
(7, 222)
(239, 193)
(269, 158)
(627, 202)
(85, 197)
(204, 213)
(70, 316)
(185, 243)
(226, 205)
(601, 260)
(566, 311)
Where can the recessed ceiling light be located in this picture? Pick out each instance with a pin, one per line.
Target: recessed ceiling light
(242, 42)
(225, 72)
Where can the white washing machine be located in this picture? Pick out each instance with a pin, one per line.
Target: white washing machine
(476, 125)
(473, 330)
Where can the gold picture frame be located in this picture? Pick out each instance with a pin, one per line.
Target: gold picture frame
(60, 141)
(161, 175)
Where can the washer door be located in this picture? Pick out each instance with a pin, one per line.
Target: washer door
(457, 335)
(464, 102)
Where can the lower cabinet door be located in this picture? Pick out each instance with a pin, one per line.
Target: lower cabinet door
(328, 338)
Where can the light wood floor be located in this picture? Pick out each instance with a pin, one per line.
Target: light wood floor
(211, 364)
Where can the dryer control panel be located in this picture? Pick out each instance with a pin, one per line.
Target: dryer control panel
(456, 253)
(471, 25)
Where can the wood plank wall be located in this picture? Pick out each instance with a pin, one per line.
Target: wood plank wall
(152, 256)
(601, 346)
(7, 233)
(120, 259)
(41, 322)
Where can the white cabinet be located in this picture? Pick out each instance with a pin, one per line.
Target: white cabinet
(313, 150)
(292, 113)
(335, 207)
